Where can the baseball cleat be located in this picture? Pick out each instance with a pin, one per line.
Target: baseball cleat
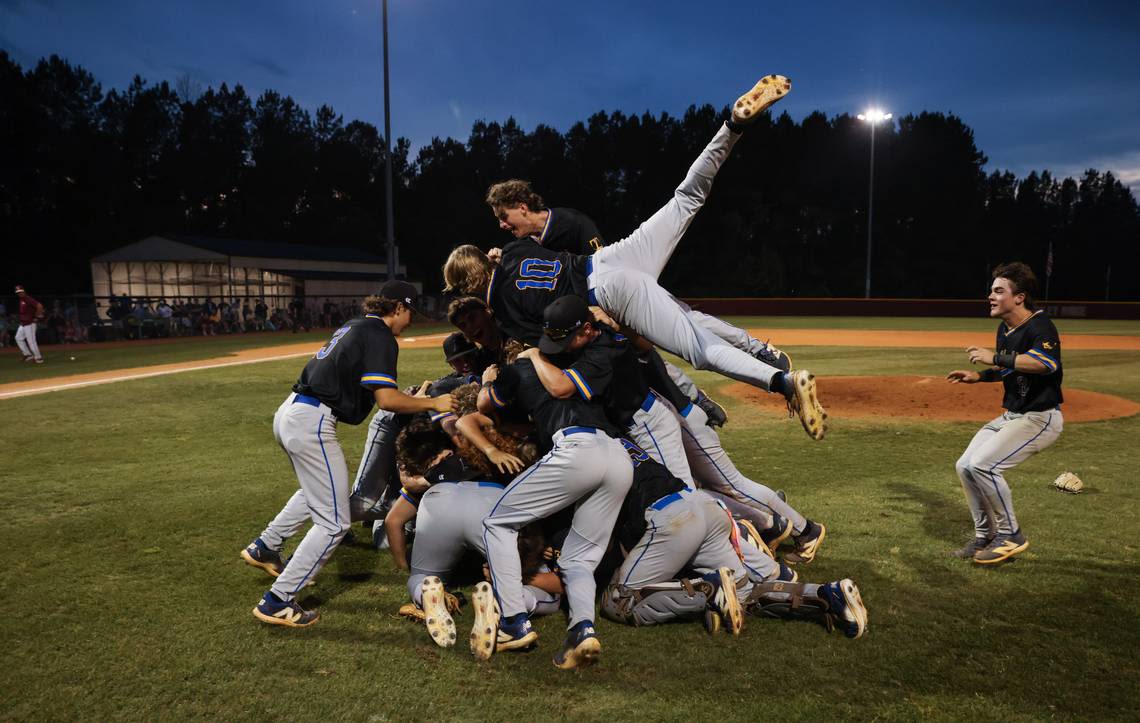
(1002, 548)
(258, 555)
(804, 403)
(440, 625)
(290, 614)
(807, 544)
(411, 612)
(767, 91)
(725, 601)
(775, 535)
(772, 356)
(845, 605)
(971, 548)
(580, 649)
(750, 535)
(515, 633)
(486, 628)
(787, 574)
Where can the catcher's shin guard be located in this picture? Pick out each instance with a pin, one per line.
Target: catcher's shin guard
(789, 601)
(655, 604)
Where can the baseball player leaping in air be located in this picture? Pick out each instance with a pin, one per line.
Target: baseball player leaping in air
(622, 278)
(1027, 361)
(342, 382)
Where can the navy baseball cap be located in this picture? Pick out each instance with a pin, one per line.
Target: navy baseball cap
(401, 291)
(560, 321)
(456, 345)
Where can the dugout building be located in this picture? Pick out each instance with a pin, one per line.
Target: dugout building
(178, 266)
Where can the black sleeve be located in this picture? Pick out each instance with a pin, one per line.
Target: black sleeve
(379, 361)
(593, 371)
(659, 380)
(505, 386)
(1045, 346)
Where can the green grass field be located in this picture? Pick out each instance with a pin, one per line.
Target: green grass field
(124, 597)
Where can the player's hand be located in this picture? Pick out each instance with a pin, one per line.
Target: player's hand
(495, 255)
(980, 355)
(529, 353)
(601, 317)
(423, 390)
(491, 373)
(505, 463)
(444, 403)
(963, 376)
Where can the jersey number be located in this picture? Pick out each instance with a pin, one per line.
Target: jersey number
(636, 454)
(327, 348)
(538, 274)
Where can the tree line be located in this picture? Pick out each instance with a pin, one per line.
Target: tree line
(85, 171)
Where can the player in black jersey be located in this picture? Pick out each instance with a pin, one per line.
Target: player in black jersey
(581, 463)
(350, 374)
(1027, 360)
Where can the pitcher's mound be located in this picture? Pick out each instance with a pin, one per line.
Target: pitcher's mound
(932, 398)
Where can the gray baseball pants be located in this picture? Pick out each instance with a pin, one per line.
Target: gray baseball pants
(656, 429)
(377, 467)
(622, 278)
(307, 433)
(449, 520)
(1003, 443)
(585, 466)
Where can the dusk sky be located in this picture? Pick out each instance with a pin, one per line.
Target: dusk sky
(1044, 85)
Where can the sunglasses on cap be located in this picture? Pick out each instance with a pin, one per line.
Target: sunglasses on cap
(559, 334)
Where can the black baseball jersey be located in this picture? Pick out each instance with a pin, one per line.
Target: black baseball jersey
(1038, 338)
(659, 380)
(570, 230)
(519, 385)
(527, 280)
(452, 468)
(608, 370)
(360, 357)
(651, 482)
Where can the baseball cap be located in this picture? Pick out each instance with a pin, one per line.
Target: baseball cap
(456, 345)
(559, 322)
(400, 291)
(19, 288)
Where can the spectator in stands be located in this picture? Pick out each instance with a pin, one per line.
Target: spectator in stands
(260, 315)
(165, 315)
(210, 317)
(74, 331)
(297, 314)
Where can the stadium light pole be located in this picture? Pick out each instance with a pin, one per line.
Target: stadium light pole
(391, 222)
(872, 117)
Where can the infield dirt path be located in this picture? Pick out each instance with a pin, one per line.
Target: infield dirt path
(880, 396)
(246, 356)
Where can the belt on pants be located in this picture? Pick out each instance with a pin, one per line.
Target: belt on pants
(649, 400)
(591, 296)
(666, 501)
(306, 399)
(567, 431)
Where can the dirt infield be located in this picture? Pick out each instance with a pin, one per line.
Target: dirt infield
(857, 396)
(246, 356)
(931, 398)
(927, 339)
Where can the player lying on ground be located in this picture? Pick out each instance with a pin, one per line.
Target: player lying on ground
(622, 279)
(1028, 363)
(667, 529)
(346, 377)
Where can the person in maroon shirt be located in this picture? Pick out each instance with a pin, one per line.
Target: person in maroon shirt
(31, 311)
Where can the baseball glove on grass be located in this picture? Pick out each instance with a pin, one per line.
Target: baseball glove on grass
(1069, 482)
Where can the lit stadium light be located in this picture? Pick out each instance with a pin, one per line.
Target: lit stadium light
(874, 115)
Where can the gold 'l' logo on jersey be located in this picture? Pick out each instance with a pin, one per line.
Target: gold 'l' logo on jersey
(1047, 344)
